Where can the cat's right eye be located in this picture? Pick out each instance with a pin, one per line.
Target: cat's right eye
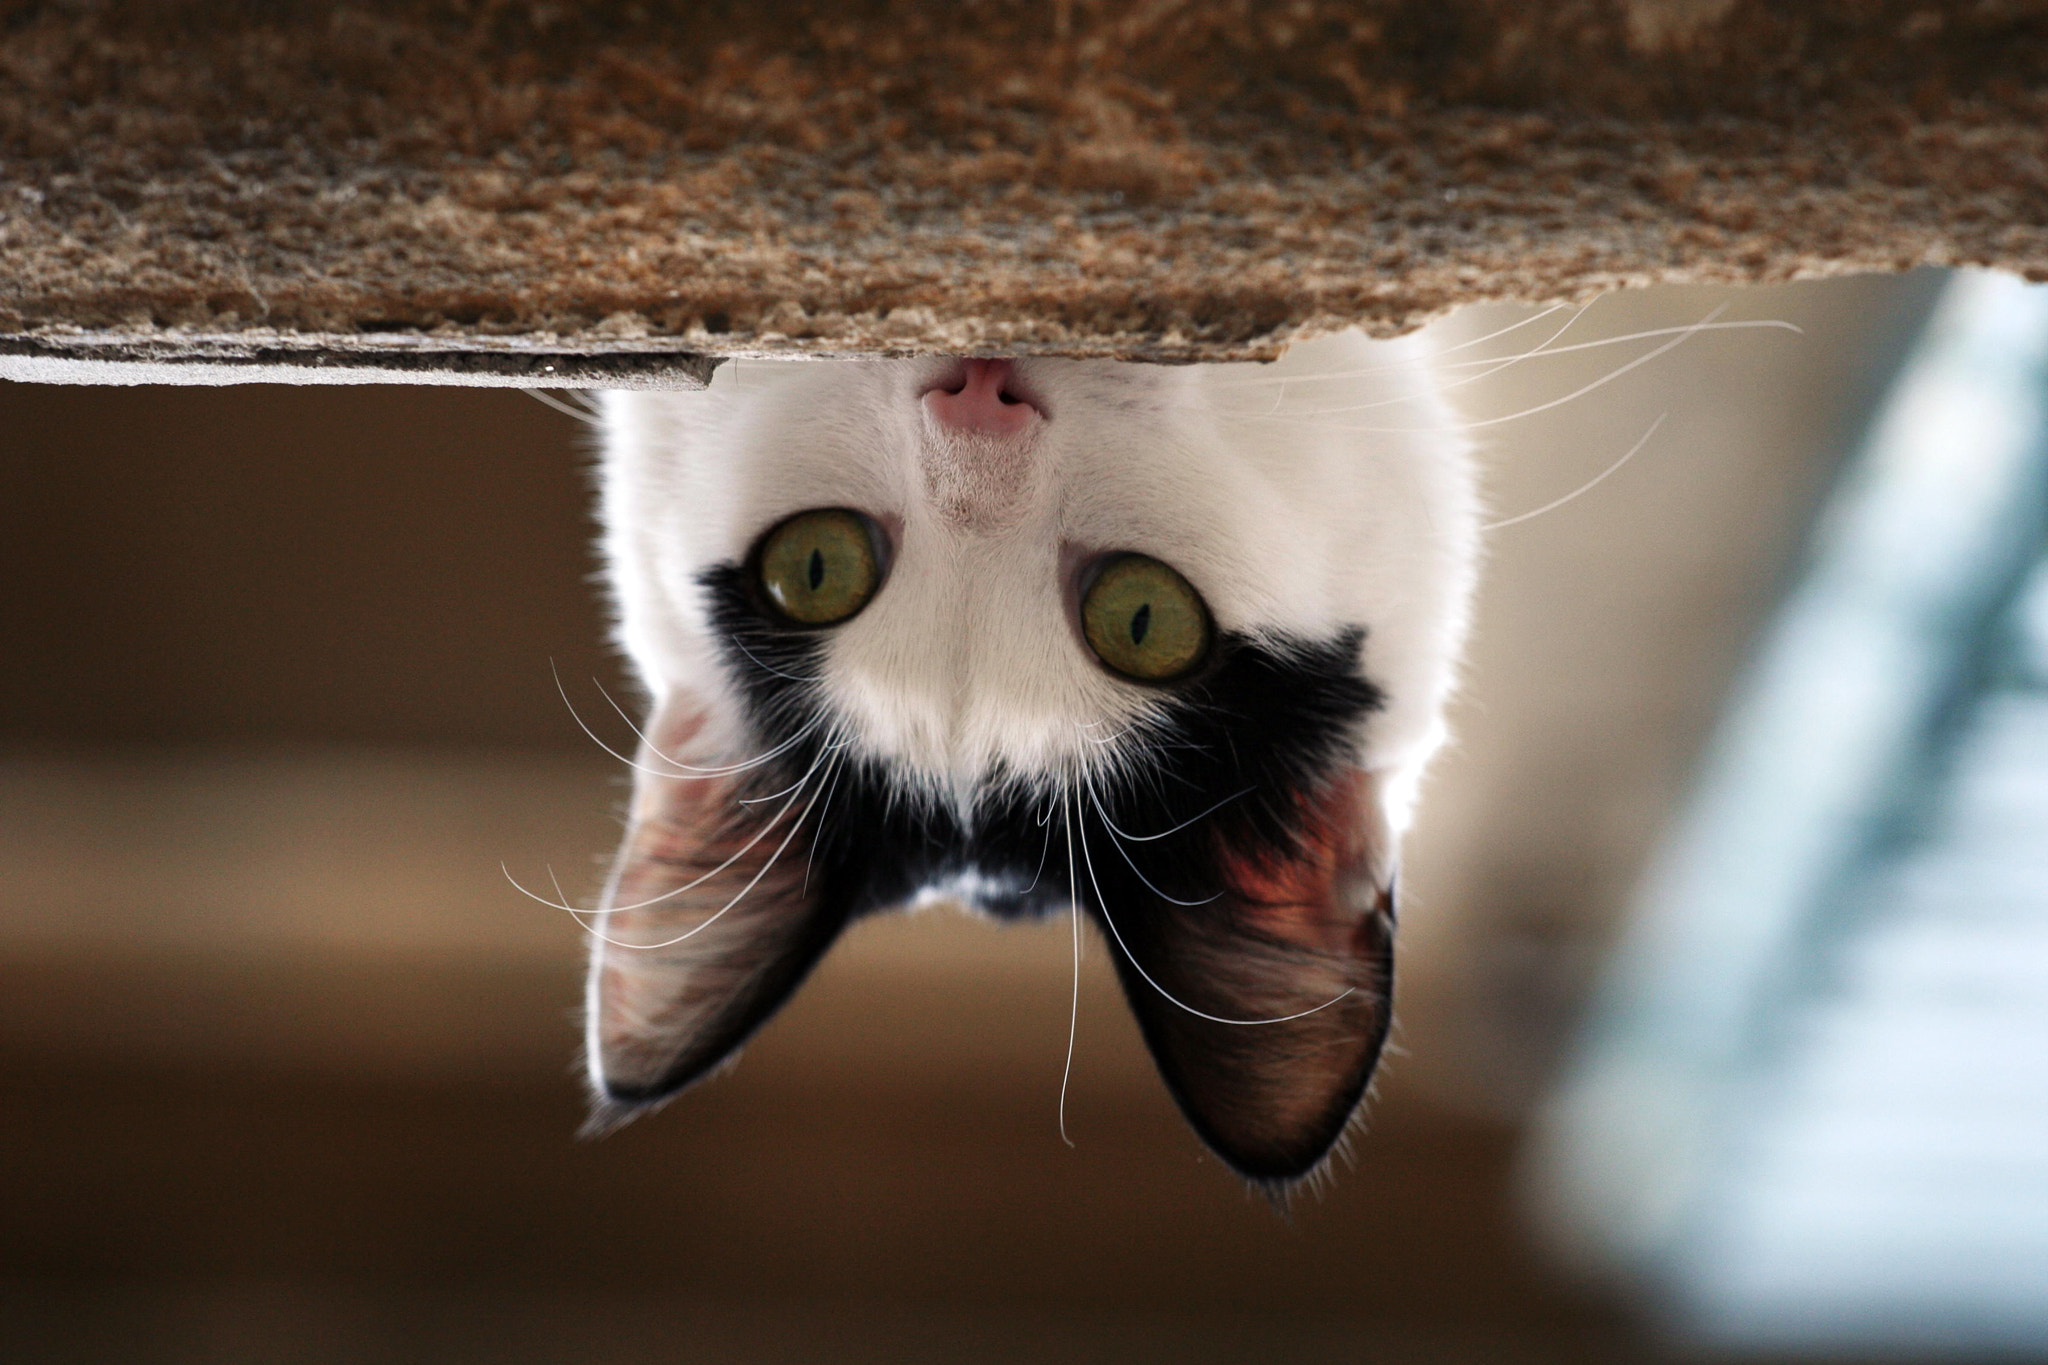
(1145, 621)
(819, 568)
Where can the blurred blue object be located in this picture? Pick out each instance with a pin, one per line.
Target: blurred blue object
(1810, 1111)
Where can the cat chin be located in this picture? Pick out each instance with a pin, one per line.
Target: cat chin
(970, 891)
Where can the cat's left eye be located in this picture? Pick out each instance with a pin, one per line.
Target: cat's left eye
(819, 568)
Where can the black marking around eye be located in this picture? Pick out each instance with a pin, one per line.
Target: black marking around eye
(1223, 769)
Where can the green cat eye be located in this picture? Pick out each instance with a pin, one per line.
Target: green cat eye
(819, 568)
(1144, 621)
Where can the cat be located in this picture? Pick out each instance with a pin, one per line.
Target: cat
(1168, 646)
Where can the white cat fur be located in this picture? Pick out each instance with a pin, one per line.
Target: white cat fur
(1327, 490)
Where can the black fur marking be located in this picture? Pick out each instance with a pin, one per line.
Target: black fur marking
(1228, 762)
(1264, 724)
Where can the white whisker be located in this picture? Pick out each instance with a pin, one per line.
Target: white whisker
(594, 739)
(1125, 855)
(759, 835)
(1043, 854)
(1388, 369)
(1490, 366)
(1495, 364)
(1684, 334)
(773, 858)
(686, 769)
(763, 800)
(768, 668)
(583, 415)
(1585, 487)
(825, 811)
(1687, 329)
(1529, 321)
(1148, 838)
(1105, 741)
(1073, 919)
(1102, 909)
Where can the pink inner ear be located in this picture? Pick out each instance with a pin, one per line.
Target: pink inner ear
(1321, 899)
(1288, 979)
(672, 739)
(709, 921)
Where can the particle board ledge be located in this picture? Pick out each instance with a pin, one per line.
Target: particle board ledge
(472, 191)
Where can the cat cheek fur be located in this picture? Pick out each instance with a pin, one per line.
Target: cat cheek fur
(945, 737)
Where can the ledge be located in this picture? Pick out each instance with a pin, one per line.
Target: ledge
(440, 191)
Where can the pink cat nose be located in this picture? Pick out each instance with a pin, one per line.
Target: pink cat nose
(982, 397)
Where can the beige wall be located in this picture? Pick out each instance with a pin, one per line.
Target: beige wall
(1607, 632)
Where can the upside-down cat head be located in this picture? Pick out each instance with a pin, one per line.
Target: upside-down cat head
(1036, 634)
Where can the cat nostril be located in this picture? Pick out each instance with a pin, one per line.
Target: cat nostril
(979, 397)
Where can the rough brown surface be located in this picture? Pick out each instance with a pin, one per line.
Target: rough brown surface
(1123, 177)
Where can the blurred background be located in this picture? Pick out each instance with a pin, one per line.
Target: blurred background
(287, 1064)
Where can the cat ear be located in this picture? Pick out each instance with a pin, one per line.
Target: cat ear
(707, 925)
(1297, 954)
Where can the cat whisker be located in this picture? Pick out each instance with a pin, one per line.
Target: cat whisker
(1496, 365)
(571, 410)
(1192, 819)
(562, 904)
(1045, 823)
(1102, 909)
(1493, 365)
(1529, 321)
(594, 739)
(1490, 365)
(1684, 335)
(1389, 369)
(741, 852)
(1585, 487)
(744, 891)
(684, 772)
(825, 812)
(686, 769)
(1123, 853)
(1649, 334)
(741, 645)
(1106, 741)
(1548, 349)
(762, 800)
(1074, 920)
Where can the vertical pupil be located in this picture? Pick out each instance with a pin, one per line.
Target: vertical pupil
(1141, 621)
(817, 568)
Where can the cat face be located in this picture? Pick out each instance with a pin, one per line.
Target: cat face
(1033, 635)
